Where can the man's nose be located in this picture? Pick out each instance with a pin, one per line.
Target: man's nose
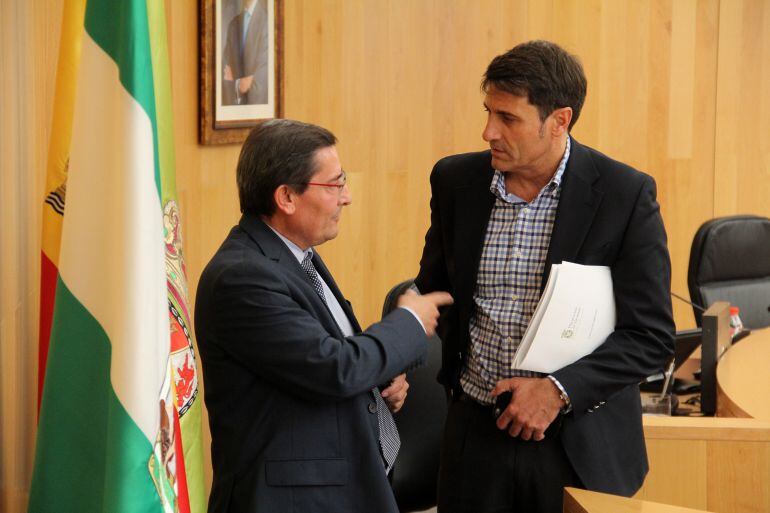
(346, 198)
(490, 132)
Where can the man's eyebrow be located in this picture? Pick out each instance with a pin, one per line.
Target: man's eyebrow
(500, 111)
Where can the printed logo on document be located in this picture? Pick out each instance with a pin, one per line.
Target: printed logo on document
(572, 327)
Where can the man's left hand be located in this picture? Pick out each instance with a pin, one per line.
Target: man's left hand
(245, 83)
(395, 394)
(534, 405)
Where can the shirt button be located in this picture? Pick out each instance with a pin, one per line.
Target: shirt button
(509, 340)
(514, 297)
(372, 408)
(517, 254)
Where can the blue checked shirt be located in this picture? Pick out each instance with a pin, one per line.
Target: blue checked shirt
(508, 282)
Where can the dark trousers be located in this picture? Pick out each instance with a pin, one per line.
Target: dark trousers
(485, 470)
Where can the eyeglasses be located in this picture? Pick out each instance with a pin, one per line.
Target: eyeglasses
(340, 185)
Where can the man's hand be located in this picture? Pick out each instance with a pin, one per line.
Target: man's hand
(395, 394)
(244, 84)
(534, 405)
(426, 307)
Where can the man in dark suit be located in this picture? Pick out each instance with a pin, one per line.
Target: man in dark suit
(245, 57)
(499, 219)
(297, 420)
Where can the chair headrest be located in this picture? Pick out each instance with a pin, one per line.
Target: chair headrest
(731, 248)
(392, 298)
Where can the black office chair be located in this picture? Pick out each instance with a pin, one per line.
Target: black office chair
(730, 261)
(420, 424)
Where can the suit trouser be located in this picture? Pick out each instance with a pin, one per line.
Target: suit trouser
(485, 470)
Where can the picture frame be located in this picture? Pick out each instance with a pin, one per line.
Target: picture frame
(241, 67)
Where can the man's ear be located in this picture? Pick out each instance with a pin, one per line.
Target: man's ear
(562, 118)
(285, 199)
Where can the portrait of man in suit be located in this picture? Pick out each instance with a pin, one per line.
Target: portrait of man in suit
(499, 219)
(245, 56)
(299, 396)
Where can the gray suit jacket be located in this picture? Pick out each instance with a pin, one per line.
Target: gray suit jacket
(250, 59)
(292, 417)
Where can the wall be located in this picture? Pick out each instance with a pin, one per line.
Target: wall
(398, 83)
(29, 38)
(677, 88)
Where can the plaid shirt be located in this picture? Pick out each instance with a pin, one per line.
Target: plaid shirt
(508, 282)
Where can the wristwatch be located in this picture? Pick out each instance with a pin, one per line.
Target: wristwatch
(564, 399)
(562, 395)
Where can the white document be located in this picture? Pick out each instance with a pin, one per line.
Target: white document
(575, 315)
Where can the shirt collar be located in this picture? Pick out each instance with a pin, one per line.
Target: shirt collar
(497, 187)
(295, 250)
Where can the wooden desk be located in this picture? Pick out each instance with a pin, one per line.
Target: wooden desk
(721, 464)
(743, 378)
(714, 464)
(583, 501)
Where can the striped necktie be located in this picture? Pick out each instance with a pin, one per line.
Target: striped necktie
(390, 442)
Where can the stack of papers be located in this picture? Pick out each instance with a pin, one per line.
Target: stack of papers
(575, 315)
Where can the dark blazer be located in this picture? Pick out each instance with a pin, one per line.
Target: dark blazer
(607, 215)
(251, 59)
(292, 417)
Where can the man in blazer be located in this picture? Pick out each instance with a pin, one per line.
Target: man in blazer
(297, 420)
(499, 219)
(245, 57)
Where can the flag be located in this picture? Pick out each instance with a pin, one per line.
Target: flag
(120, 415)
(56, 176)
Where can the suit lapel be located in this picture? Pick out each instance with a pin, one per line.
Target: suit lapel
(323, 271)
(272, 246)
(577, 206)
(275, 249)
(473, 205)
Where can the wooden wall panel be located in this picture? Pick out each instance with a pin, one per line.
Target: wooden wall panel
(651, 103)
(677, 88)
(29, 38)
(634, 108)
(742, 157)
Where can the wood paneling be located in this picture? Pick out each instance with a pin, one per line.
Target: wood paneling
(742, 157)
(651, 103)
(352, 66)
(678, 88)
(29, 37)
(715, 464)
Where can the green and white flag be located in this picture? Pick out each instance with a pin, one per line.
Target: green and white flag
(119, 427)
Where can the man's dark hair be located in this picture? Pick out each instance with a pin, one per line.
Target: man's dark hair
(277, 152)
(543, 72)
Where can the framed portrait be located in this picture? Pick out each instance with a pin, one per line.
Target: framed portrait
(241, 67)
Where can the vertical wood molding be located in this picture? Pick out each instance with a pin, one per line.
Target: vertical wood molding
(29, 43)
(727, 114)
(682, 70)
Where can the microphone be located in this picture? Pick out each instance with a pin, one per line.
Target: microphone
(694, 305)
